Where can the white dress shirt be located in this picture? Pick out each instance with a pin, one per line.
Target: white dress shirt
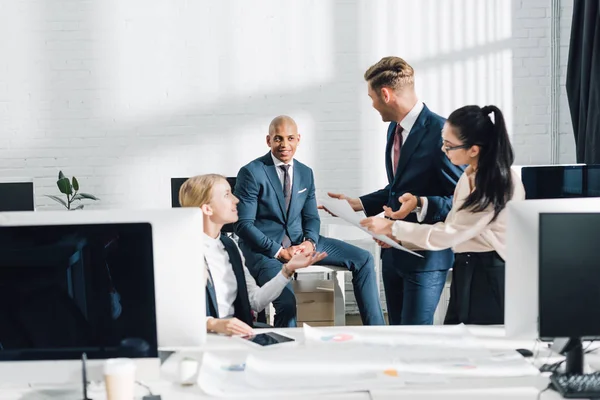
(226, 285)
(280, 172)
(407, 123)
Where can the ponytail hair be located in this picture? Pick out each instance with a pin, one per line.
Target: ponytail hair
(493, 180)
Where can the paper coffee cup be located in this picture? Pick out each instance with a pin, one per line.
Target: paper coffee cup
(119, 378)
(187, 371)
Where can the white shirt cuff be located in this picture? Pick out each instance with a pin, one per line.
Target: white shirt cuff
(423, 213)
(278, 251)
(362, 206)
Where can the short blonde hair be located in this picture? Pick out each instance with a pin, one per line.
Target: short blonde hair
(197, 190)
(392, 72)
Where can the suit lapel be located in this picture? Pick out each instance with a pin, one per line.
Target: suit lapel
(274, 180)
(297, 178)
(415, 137)
(388, 150)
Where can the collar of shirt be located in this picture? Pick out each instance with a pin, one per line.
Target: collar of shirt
(212, 243)
(409, 121)
(278, 162)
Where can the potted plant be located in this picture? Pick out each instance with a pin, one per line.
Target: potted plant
(70, 188)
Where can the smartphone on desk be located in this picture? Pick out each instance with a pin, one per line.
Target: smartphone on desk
(268, 339)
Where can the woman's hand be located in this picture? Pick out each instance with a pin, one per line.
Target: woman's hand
(229, 326)
(378, 225)
(304, 259)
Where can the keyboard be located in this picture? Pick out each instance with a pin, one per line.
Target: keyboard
(575, 386)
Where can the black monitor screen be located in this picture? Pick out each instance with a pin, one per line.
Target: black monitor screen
(69, 289)
(16, 196)
(569, 275)
(561, 181)
(176, 185)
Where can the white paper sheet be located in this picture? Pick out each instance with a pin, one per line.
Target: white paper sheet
(245, 377)
(342, 209)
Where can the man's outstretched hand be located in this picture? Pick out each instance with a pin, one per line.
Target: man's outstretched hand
(354, 203)
(408, 202)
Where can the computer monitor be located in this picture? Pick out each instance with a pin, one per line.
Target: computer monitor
(17, 196)
(569, 278)
(561, 181)
(178, 280)
(176, 185)
(522, 262)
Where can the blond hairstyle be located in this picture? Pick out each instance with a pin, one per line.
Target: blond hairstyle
(197, 190)
(392, 72)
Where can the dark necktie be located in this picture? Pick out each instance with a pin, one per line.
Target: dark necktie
(287, 194)
(397, 146)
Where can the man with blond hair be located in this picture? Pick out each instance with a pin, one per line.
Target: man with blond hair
(278, 217)
(421, 182)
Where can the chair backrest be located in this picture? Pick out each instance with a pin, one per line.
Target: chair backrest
(176, 185)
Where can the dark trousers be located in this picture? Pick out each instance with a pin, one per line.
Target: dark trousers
(477, 290)
(412, 297)
(360, 262)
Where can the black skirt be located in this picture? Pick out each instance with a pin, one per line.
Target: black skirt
(477, 290)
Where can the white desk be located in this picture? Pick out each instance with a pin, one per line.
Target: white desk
(471, 388)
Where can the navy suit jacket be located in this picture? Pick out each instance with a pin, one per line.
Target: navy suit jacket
(423, 170)
(263, 219)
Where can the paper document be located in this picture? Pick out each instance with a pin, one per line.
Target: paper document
(342, 209)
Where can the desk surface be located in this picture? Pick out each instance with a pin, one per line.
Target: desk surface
(471, 388)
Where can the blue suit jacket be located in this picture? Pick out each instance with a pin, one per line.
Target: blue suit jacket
(423, 170)
(263, 220)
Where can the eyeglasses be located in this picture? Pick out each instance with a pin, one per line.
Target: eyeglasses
(450, 148)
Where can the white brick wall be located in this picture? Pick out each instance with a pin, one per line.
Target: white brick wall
(127, 94)
(532, 82)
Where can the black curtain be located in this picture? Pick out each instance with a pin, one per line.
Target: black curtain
(583, 79)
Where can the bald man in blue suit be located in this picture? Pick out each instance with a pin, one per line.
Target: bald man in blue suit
(278, 216)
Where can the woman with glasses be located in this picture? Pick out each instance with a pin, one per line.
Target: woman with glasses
(475, 228)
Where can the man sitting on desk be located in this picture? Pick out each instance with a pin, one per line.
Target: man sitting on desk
(278, 217)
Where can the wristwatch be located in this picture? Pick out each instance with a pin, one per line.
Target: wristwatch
(307, 239)
(417, 209)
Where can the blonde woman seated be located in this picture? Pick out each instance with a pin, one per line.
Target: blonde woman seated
(231, 292)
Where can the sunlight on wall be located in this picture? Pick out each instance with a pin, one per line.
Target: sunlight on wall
(147, 177)
(179, 55)
(21, 104)
(460, 50)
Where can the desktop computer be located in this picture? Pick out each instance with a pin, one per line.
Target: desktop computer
(521, 309)
(561, 181)
(110, 283)
(569, 297)
(176, 185)
(17, 196)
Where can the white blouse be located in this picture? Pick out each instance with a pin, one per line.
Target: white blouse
(464, 230)
(226, 285)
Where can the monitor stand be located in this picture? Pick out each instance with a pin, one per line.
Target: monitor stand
(574, 353)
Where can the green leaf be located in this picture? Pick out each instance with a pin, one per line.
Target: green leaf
(56, 198)
(79, 207)
(60, 175)
(64, 186)
(75, 184)
(80, 196)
